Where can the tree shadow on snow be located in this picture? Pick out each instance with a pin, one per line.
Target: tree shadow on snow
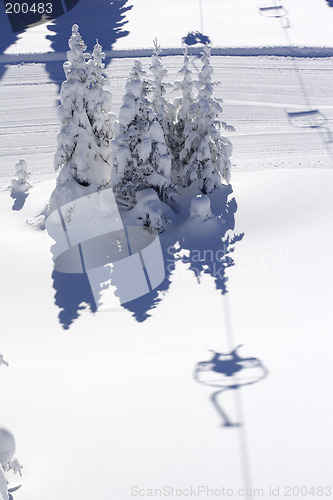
(197, 247)
(73, 294)
(99, 19)
(19, 199)
(7, 37)
(200, 248)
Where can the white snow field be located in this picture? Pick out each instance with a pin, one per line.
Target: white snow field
(109, 405)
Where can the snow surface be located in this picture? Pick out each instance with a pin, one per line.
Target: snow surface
(236, 23)
(114, 402)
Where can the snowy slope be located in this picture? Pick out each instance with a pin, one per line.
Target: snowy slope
(111, 408)
(113, 403)
(256, 92)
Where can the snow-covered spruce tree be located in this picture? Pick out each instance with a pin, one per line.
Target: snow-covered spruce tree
(206, 152)
(165, 110)
(183, 105)
(99, 101)
(84, 138)
(141, 158)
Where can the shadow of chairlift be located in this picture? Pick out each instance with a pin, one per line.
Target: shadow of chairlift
(312, 118)
(275, 9)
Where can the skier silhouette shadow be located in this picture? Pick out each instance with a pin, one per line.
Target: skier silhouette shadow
(73, 294)
(202, 248)
(101, 19)
(229, 371)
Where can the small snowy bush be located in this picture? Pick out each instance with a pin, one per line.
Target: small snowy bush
(21, 184)
(200, 208)
(148, 210)
(7, 451)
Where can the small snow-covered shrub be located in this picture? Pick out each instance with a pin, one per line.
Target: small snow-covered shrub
(7, 451)
(21, 184)
(148, 210)
(200, 208)
(3, 361)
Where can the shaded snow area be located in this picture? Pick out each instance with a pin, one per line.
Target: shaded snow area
(118, 402)
(235, 24)
(166, 251)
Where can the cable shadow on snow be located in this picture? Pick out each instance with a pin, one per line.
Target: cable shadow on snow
(199, 247)
(101, 19)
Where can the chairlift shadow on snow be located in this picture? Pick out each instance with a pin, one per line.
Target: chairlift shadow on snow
(102, 19)
(12, 490)
(275, 9)
(200, 247)
(226, 372)
(311, 119)
(195, 37)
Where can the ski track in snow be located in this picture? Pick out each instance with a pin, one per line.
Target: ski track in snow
(256, 91)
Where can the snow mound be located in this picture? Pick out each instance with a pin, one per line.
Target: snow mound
(200, 208)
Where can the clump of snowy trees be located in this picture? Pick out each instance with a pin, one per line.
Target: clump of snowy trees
(155, 144)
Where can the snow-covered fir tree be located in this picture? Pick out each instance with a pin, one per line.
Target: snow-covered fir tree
(204, 157)
(183, 105)
(21, 182)
(99, 103)
(141, 158)
(83, 152)
(165, 110)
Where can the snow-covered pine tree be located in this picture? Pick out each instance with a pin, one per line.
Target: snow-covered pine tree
(183, 105)
(141, 158)
(205, 153)
(79, 154)
(164, 109)
(99, 102)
